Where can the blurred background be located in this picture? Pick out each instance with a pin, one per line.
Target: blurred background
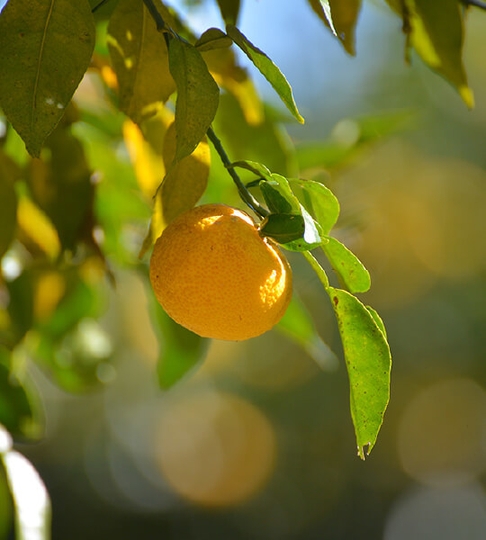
(258, 442)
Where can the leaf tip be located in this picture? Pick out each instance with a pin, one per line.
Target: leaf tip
(364, 450)
(467, 96)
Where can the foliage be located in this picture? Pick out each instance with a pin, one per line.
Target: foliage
(128, 150)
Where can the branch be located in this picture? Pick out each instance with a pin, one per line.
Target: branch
(156, 16)
(98, 6)
(242, 189)
(475, 3)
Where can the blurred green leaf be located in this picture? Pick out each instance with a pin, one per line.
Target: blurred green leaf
(349, 138)
(319, 200)
(229, 10)
(211, 39)
(197, 96)
(68, 343)
(8, 202)
(265, 142)
(31, 500)
(436, 31)
(61, 186)
(45, 49)
(20, 309)
(180, 349)
(267, 68)
(298, 325)
(140, 60)
(341, 17)
(17, 410)
(80, 360)
(351, 272)
(368, 362)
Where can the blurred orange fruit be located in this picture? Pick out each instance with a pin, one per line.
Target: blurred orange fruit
(214, 274)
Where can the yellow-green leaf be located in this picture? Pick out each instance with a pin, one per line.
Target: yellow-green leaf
(36, 230)
(229, 10)
(45, 49)
(351, 272)
(213, 38)
(368, 362)
(436, 31)
(61, 186)
(140, 60)
(268, 69)
(186, 179)
(341, 17)
(197, 96)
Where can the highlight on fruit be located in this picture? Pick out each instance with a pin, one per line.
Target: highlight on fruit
(214, 274)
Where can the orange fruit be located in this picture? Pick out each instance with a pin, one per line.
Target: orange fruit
(214, 274)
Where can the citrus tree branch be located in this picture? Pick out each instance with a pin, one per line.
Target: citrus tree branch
(157, 17)
(242, 189)
(246, 196)
(98, 6)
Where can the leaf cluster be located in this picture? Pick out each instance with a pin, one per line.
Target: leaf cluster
(115, 118)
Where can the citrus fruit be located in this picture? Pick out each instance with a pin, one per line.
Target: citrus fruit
(214, 274)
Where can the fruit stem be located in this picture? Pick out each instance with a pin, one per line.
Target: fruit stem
(242, 189)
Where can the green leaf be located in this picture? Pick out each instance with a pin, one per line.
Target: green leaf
(180, 349)
(8, 202)
(197, 96)
(311, 238)
(20, 309)
(298, 325)
(229, 10)
(45, 49)
(319, 201)
(352, 274)
(368, 362)
(140, 60)
(378, 320)
(267, 68)
(283, 228)
(279, 196)
(436, 31)
(17, 412)
(256, 168)
(61, 186)
(211, 39)
(31, 500)
(79, 361)
(341, 17)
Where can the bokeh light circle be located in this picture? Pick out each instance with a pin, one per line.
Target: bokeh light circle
(442, 434)
(215, 449)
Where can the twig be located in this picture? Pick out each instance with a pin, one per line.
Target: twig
(242, 189)
(157, 17)
(98, 6)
